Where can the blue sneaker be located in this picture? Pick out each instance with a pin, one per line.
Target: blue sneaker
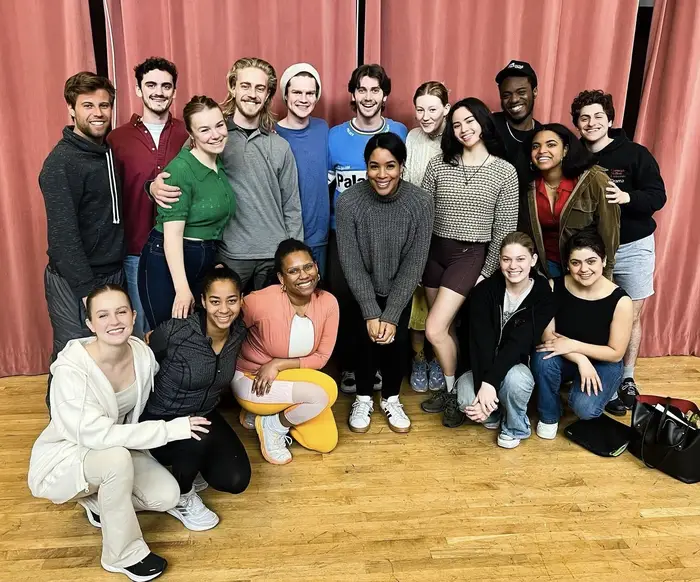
(419, 376)
(436, 379)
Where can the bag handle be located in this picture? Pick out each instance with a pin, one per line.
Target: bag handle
(669, 448)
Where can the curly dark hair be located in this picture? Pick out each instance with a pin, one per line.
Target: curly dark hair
(605, 100)
(155, 64)
(577, 160)
(451, 146)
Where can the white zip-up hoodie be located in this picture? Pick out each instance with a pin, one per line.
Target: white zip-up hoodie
(84, 417)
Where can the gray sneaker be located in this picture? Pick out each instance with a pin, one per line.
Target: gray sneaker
(436, 379)
(436, 403)
(419, 376)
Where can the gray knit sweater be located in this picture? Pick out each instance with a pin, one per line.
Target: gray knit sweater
(383, 243)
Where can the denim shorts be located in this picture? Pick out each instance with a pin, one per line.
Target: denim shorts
(634, 267)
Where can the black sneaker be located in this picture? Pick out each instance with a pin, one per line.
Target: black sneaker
(147, 569)
(90, 506)
(627, 392)
(616, 407)
(452, 417)
(436, 403)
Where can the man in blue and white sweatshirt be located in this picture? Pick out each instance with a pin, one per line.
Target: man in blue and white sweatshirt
(308, 138)
(369, 89)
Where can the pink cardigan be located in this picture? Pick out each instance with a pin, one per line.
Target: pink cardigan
(268, 315)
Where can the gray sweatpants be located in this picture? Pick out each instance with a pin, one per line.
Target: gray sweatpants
(67, 312)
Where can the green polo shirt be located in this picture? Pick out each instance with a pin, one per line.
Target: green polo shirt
(207, 201)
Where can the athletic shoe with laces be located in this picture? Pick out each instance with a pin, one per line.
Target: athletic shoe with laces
(398, 421)
(419, 376)
(247, 419)
(436, 403)
(273, 443)
(616, 407)
(92, 509)
(361, 414)
(507, 442)
(192, 512)
(452, 417)
(200, 483)
(348, 385)
(628, 392)
(436, 378)
(147, 569)
(547, 431)
(378, 381)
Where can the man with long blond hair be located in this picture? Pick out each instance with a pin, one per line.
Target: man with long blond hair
(260, 166)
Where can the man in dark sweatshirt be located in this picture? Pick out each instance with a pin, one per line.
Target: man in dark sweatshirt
(517, 89)
(636, 185)
(83, 207)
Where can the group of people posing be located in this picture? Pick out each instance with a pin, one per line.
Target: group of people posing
(230, 251)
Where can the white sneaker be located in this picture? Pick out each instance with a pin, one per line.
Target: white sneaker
(547, 431)
(361, 414)
(200, 483)
(273, 443)
(348, 385)
(247, 419)
(507, 442)
(398, 421)
(92, 509)
(378, 381)
(192, 512)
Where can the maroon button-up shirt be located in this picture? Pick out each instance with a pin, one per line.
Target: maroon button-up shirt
(137, 160)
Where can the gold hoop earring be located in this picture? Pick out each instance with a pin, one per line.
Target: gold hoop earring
(284, 288)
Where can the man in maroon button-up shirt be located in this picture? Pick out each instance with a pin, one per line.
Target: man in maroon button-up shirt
(142, 148)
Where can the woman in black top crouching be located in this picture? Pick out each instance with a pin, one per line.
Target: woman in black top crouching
(586, 339)
(197, 358)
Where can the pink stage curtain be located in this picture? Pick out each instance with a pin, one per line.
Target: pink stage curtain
(42, 44)
(571, 45)
(669, 126)
(204, 37)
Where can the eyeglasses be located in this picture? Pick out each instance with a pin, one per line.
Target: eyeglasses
(307, 268)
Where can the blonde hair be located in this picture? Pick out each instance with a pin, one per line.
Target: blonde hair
(228, 107)
(434, 88)
(519, 238)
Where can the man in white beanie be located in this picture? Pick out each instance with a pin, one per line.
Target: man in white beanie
(308, 138)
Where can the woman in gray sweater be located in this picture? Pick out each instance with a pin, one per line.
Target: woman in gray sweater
(383, 226)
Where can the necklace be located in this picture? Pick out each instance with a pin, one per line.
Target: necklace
(510, 131)
(551, 186)
(468, 179)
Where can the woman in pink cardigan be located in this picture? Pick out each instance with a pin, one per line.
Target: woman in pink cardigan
(292, 328)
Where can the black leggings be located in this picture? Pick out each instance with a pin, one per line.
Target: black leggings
(346, 345)
(219, 456)
(391, 359)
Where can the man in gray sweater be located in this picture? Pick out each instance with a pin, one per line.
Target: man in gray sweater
(262, 171)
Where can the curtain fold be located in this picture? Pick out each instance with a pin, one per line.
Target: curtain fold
(42, 44)
(670, 127)
(204, 38)
(571, 45)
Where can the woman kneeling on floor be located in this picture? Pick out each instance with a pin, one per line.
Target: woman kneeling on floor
(292, 328)
(507, 315)
(197, 358)
(586, 340)
(91, 451)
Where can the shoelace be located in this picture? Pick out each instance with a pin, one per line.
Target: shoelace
(280, 441)
(396, 409)
(450, 403)
(360, 408)
(194, 506)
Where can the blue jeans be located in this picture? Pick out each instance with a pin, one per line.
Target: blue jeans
(554, 269)
(549, 375)
(131, 270)
(320, 254)
(155, 283)
(513, 395)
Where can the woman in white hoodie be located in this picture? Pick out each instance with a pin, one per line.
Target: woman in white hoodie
(92, 450)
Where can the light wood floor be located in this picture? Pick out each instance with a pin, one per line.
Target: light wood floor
(436, 504)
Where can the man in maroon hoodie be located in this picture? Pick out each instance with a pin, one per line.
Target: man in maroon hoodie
(142, 148)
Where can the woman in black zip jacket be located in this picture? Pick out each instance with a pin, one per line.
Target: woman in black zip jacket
(507, 314)
(197, 358)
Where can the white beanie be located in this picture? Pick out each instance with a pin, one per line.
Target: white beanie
(295, 70)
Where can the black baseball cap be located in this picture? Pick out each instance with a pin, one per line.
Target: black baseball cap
(517, 69)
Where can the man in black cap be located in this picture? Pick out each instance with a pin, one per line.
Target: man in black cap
(517, 86)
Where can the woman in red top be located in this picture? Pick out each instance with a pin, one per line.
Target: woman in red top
(292, 328)
(567, 195)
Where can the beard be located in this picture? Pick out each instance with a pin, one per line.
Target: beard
(249, 109)
(90, 130)
(156, 107)
(526, 111)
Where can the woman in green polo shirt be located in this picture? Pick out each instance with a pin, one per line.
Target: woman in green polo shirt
(182, 245)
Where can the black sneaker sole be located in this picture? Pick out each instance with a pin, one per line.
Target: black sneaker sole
(616, 411)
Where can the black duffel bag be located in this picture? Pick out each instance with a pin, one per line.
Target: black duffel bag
(663, 442)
